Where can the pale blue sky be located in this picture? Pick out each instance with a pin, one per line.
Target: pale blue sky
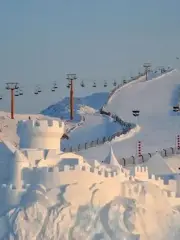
(42, 40)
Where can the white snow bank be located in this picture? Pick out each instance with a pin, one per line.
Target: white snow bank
(61, 109)
(146, 212)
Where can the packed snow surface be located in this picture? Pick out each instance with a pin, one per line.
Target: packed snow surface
(115, 218)
(159, 125)
(61, 109)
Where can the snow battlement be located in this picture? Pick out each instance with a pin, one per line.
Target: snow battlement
(40, 126)
(137, 191)
(55, 172)
(65, 174)
(41, 134)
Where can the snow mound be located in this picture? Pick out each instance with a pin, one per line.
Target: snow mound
(61, 109)
(120, 218)
(86, 110)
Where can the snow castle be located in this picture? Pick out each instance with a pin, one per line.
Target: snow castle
(39, 161)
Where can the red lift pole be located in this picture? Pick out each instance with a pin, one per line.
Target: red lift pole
(71, 78)
(12, 86)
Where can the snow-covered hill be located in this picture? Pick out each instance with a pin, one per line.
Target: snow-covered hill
(61, 109)
(159, 124)
(88, 123)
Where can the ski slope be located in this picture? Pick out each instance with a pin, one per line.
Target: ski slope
(159, 125)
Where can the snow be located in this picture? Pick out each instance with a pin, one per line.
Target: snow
(61, 109)
(121, 218)
(94, 127)
(159, 125)
(87, 205)
(111, 159)
(174, 163)
(157, 166)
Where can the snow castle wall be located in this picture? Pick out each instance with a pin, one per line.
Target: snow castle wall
(60, 175)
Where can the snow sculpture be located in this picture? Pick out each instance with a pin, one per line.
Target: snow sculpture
(111, 159)
(42, 134)
(19, 162)
(141, 172)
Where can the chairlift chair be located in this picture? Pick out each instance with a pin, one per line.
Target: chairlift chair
(36, 92)
(20, 92)
(55, 86)
(176, 108)
(82, 84)
(105, 84)
(16, 93)
(114, 83)
(39, 90)
(94, 84)
(68, 85)
(53, 89)
(0, 97)
(124, 81)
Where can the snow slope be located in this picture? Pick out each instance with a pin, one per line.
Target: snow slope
(159, 125)
(95, 125)
(61, 109)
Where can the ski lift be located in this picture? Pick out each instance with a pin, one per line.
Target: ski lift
(16, 93)
(36, 92)
(94, 84)
(176, 108)
(39, 90)
(82, 84)
(114, 83)
(105, 84)
(20, 92)
(68, 85)
(124, 81)
(53, 89)
(55, 86)
(0, 97)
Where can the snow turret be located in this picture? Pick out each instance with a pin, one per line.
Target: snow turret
(19, 162)
(42, 134)
(111, 159)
